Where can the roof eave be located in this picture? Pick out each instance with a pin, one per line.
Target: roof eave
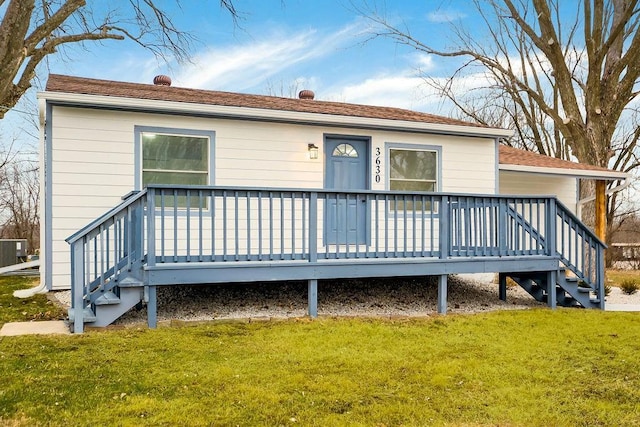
(153, 105)
(577, 173)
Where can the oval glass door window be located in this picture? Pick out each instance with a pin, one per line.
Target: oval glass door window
(344, 150)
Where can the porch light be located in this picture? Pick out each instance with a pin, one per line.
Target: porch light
(313, 151)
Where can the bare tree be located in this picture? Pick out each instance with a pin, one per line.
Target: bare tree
(19, 194)
(565, 79)
(282, 89)
(31, 30)
(534, 49)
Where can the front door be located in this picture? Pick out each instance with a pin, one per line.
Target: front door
(346, 169)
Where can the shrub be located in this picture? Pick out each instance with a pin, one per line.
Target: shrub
(629, 286)
(607, 289)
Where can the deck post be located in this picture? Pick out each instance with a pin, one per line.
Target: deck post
(601, 210)
(502, 286)
(442, 294)
(152, 306)
(445, 227)
(312, 295)
(552, 297)
(601, 277)
(313, 298)
(503, 227)
(551, 231)
(77, 285)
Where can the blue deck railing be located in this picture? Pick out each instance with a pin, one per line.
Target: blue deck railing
(216, 226)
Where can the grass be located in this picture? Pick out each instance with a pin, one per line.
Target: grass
(531, 368)
(14, 309)
(535, 368)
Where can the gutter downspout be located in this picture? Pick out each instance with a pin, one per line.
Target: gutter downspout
(42, 286)
(26, 293)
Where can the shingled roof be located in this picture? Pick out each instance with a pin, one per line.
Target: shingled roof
(515, 156)
(507, 155)
(81, 85)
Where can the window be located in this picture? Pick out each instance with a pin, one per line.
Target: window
(344, 150)
(172, 156)
(411, 170)
(174, 159)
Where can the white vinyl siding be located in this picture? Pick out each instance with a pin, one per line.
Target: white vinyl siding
(525, 183)
(93, 162)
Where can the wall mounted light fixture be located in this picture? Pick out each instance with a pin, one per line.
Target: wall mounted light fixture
(313, 151)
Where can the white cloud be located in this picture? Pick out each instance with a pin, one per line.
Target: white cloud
(250, 65)
(424, 62)
(445, 15)
(402, 91)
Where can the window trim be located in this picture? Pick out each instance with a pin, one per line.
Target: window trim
(139, 130)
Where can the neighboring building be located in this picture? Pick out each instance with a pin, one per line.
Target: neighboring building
(104, 139)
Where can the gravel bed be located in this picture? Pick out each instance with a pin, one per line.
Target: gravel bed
(362, 297)
(468, 293)
(616, 296)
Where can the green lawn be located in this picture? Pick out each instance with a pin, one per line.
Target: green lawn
(14, 309)
(532, 368)
(535, 367)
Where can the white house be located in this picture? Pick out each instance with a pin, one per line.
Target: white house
(101, 140)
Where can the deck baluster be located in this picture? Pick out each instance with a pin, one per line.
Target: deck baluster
(151, 228)
(292, 225)
(304, 231)
(213, 195)
(236, 225)
(313, 227)
(188, 223)
(200, 230)
(282, 226)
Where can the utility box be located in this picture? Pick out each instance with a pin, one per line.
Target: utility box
(12, 251)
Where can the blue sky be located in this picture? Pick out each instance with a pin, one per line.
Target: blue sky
(282, 46)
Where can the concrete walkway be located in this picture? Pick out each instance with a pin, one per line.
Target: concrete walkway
(48, 327)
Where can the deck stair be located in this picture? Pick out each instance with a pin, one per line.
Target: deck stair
(164, 236)
(586, 295)
(108, 303)
(569, 289)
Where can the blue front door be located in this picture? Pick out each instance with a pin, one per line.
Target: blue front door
(346, 169)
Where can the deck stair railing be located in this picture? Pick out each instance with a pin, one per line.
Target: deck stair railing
(215, 226)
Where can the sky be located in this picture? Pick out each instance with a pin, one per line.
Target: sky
(279, 47)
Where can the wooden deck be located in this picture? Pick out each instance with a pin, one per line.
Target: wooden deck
(165, 236)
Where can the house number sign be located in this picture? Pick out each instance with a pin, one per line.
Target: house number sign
(378, 163)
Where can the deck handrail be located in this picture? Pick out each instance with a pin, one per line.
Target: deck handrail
(359, 191)
(128, 201)
(581, 251)
(587, 230)
(219, 224)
